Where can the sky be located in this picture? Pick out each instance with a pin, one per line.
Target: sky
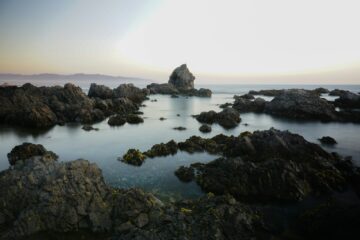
(221, 41)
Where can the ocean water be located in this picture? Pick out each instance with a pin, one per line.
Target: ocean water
(105, 146)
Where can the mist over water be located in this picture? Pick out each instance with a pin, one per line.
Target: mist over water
(103, 147)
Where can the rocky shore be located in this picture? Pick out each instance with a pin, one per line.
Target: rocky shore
(257, 173)
(42, 107)
(302, 105)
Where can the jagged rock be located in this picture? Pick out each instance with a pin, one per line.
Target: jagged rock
(28, 150)
(47, 106)
(133, 157)
(271, 166)
(301, 104)
(182, 78)
(245, 96)
(162, 149)
(164, 88)
(348, 100)
(269, 92)
(117, 120)
(205, 128)
(42, 195)
(321, 90)
(327, 140)
(100, 91)
(198, 144)
(337, 92)
(134, 119)
(227, 118)
(131, 92)
(246, 105)
(226, 105)
(185, 174)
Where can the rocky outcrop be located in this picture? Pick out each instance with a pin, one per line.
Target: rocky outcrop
(301, 104)
(133, 157)
(41, 195)
(227, 118)
(117, 120)
(181, 78)
(267, 92)
(348, 100)
(100, 91)
(271, 166)
(128, 91)
(27, 151)
(185, 174)
(43, 107)
(181, 81)
(245, 105)
(162, 149)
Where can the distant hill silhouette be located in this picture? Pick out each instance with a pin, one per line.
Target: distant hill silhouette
(71, 77)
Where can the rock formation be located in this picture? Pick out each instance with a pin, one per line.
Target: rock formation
(227, 118)
(43, 107)
(181, 81)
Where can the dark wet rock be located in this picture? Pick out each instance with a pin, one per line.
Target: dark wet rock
(245, 96)
(205, 128)
(185, 174)
(174, 96)
(246, 105)
(28, 150)
(153, 100)
(133, 157)
(268, 92)
(162, 119)
(181, 81)
(301, 104)
(164, 88)
(182, 78)
(270, 165)
(321, 90)
(89, 128)
(327, 140)
(178, 115)
(43, 195)
(226, 105)
(348, 100)
(337, 92)
(180, 128)
(100, 91)
(43, 107)
(198, 144)
(117, 120)
(227, 118)
(131, 92)
(162, 149)
(138, 113)
(134, 119)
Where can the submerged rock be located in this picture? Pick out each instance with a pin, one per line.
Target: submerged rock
(133, 157)
(89, 128)
(185, 174)
(327, 140)
(227, 118)
(180, 128)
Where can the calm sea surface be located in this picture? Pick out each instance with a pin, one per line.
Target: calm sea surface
(157, 175)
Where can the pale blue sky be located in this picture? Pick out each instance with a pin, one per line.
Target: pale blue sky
(221, 41)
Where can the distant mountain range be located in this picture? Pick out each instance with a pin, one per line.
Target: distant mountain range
(71, 77)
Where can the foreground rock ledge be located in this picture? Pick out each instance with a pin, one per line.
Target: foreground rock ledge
(39, 195)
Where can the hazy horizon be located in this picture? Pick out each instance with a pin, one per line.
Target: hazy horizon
(232, 42)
